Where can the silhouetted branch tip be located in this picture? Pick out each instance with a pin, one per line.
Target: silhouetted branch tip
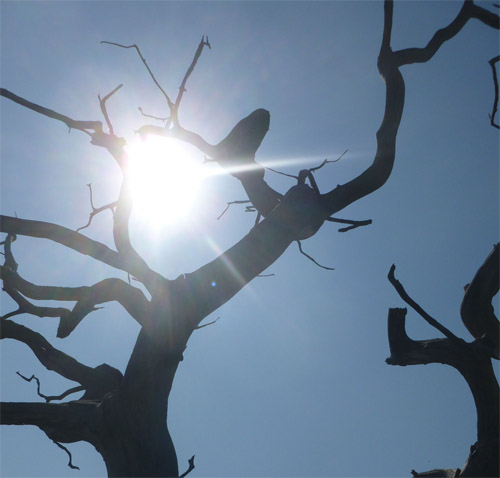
(328, 161)
(494, 109)
(70, 463)
(102, 104)
(207, 324)
(190, 468)
(352, 224)
(312, 259)
(247, 209)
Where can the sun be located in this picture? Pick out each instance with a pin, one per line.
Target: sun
(165, 177)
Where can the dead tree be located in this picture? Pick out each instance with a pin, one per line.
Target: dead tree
(124, 415)
(473, 360)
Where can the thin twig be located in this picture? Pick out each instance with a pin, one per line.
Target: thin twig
(312, 259)
(328, 161)
(96, 210)
(353, 224)
(70, 463)
(207, 324)
(235, 202)
(169, 101)
(174, 112)
(190, 468)
(102, 104)
(495, 82)
(164, 120)
(430, 320)
(49, 398)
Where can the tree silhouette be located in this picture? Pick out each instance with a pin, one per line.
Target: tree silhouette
(124, 416)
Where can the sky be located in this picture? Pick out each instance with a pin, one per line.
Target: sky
(292, 380)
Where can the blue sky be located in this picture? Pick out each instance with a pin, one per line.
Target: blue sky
(292, 380)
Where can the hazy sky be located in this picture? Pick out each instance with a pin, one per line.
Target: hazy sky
(292, 380)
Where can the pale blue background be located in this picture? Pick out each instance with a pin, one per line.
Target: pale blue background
(292, 380)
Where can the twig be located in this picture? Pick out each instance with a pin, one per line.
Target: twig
(169, 101)
(207, 324)
(190, 469)
(96, 210)
(236, 202)
(70, 463)
(312, 259)
(102, 104)
(9, 257)
(495, 82)
(153, 117)
(328, 161)
(430, 320)
(353, 224)
(49, 398)
(69, 122)
(175, 110)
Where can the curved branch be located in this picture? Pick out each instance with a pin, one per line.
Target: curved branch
(130, 298)
(379, 171)
(96, 126)
(477, 311)
(82, 244)
(49, 357)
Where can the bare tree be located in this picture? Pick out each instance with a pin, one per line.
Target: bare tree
(124, 415)
(472, 360)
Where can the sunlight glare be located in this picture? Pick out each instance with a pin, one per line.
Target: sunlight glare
(165, 179)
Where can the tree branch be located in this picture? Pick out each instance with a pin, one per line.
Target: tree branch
(477, 311)
(430, 320)
(82, 244)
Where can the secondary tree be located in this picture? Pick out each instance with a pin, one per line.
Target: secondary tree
(124, 415)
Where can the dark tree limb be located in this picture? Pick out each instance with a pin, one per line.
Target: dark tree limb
(492, 63)
(477, 311)
(96, 381)
(130, 298)
(468, 11)
(190, 468)
(312, 258)
(430, 320)
(70, 463)
(49, 398)
(83, 126)
(80, 243)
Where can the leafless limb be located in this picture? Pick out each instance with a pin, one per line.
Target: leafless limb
(492, 63)
(328, 161)
(164, 120)
(190, 468)
(102, 103)
(83, 126)
(430, 320)
(207, 324)
(247, 209)
(70, 463)
(175, 111)
(96, 210)
(49, 398)
(169, 101)
(312, 259)
(353, 224)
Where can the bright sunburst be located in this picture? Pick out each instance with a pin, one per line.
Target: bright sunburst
(165, 178)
